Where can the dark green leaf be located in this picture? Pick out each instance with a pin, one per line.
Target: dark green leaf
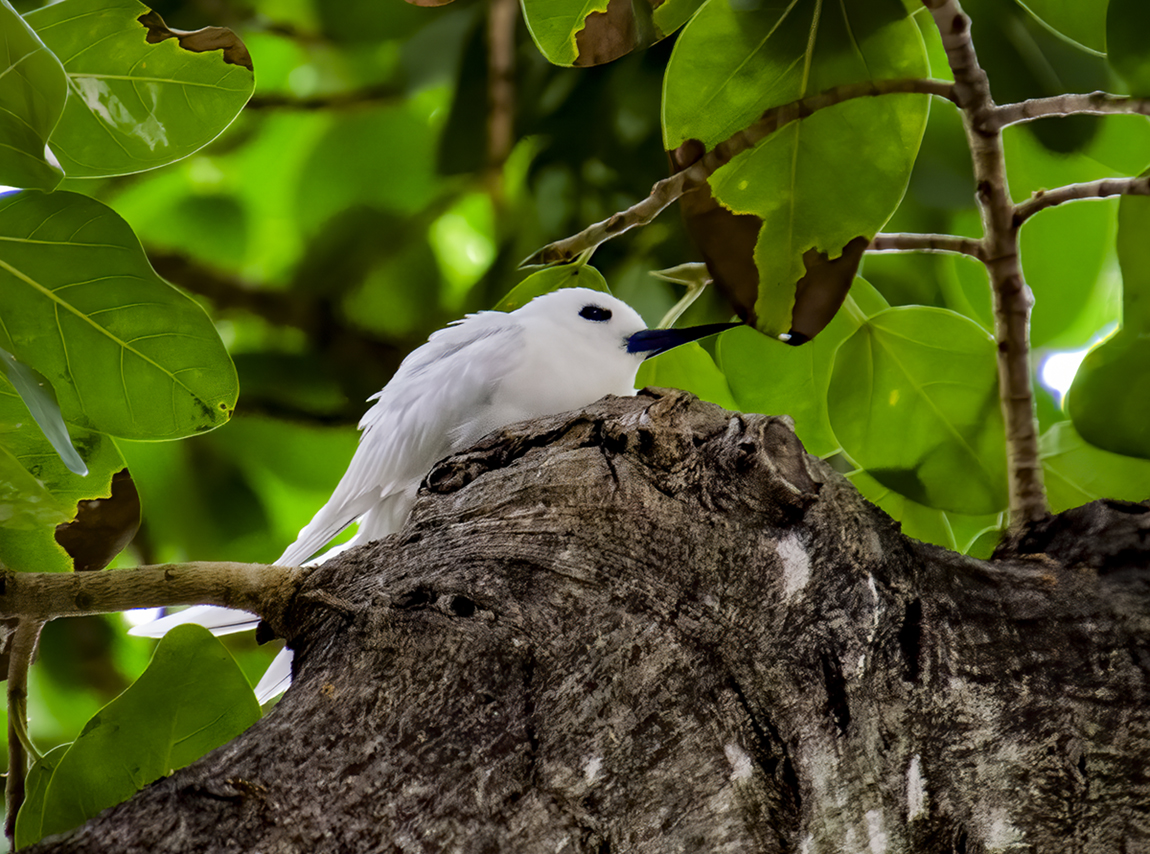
(126, 353)
(1081, 21)
(31, 814)
(690, 368)
(31, 100)
(1127, 22)
(913, 399)
(148, 95)
(166, 720)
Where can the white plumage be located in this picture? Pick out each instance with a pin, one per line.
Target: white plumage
(561, 351)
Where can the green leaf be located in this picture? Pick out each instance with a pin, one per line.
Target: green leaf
(1109, 400)
(552, 279)
(37, 492)
(1082, 22)
(31, 814)
(142, 95)
(691, 368)
(816, 183)
(1127, 22)
(1077, 472)
(577, 32)
(773, 378)
(126, 353)
(164, 721)
(31, 100)
(38, 395)
(913, 399)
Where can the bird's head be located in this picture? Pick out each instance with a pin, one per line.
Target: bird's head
(607, 324)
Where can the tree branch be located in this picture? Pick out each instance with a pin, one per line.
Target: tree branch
(19, 745)
(264, 590)
(384, 93)
(501, 18)
(950, 243)
(1075, 192)
(1012, 298)
(1090, 104)
(695, 175)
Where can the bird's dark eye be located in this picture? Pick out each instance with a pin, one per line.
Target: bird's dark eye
(595, 312)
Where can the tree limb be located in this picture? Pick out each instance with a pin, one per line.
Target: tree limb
(20, 747)
(1012, 298)
(949, 243)
(1074, 192)
(695, 175)
(1089, 104)
(264, 590)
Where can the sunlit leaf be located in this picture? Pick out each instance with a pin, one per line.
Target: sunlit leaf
(148, 95)
(126, 353)
(165, 721)
(913, 399)
(1077, 472)
(31, 101)
(552, 279)
(818, 183)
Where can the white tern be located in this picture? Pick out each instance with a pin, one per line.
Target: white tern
(561, 351)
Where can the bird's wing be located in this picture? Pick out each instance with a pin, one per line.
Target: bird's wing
(276, 678)
(411, 426)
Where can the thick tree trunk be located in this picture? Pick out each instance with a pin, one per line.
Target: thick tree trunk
(659, 626)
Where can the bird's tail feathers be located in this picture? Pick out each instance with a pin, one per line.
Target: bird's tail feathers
(276, 678)
(219, 621)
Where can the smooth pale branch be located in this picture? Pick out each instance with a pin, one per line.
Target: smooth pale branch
(561, 351)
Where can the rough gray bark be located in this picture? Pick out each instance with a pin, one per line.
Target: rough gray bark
(659, 626)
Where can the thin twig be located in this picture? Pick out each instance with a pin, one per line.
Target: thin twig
(382, 94)
(1090, 104)
(1012, 298)
(695, 175)
(1074, 192)
(264, 590)
(20, 747)
(949, 243)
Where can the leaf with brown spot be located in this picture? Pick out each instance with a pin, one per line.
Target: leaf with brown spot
(572, 33)
(103, 526)
(199, 41)
(820, 292)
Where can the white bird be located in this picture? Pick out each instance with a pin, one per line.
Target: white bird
(561, 351)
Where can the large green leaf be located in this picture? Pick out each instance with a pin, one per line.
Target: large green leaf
(127, 354)
(32, 95)
(913, 399)
(31, 814)
(164, 721)
(690, 368)
(818, 183)
(142, 95)
(1081, 21)
(38, 492)
(773, 378)
(1077, 472)
(1109, 400)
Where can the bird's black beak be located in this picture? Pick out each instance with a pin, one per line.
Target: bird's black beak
(652, 342)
